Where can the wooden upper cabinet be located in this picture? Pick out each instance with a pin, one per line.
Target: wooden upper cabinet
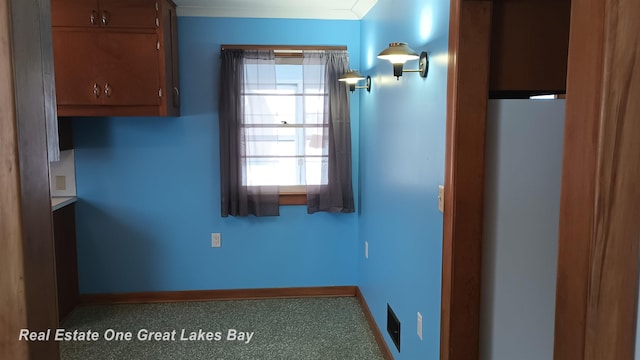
(529, 46)
(170, 64)
(125, 79)
(104, 13)
(76, 59)
(106, 68)
(116, 67)
(80, 13)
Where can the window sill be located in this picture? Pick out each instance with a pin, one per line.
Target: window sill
(293, 199)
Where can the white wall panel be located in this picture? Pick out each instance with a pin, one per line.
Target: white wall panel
(522, 200)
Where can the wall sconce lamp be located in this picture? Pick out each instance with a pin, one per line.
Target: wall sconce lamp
(398, 53)
(352, 77)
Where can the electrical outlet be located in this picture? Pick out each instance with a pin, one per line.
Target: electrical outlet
(366, 250)
(440, 198)
(216, 242)
(420, 325)
(61, 183)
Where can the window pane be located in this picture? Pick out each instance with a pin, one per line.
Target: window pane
(275, 108)
(291, 74)
(259, 77)
(284, 109)
(314, 108)
(273, 171)
(314, 144)
(271, 142)
(286, 171)
(316, 173)
(313, 79)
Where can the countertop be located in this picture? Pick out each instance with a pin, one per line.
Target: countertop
(60, 202)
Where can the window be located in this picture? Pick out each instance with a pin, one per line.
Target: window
(284, 129)
(284, 125)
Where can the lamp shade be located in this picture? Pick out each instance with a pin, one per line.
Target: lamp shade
(351, 77)
(398, 53)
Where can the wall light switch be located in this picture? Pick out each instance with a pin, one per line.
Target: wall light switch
(441, 198)
(366, 250)
(216, 241)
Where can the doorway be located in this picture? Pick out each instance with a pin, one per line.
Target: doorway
(596, 249)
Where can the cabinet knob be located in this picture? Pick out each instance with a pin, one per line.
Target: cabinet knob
(96, 90)
(105, 17)
(93, 17)
(107, 90)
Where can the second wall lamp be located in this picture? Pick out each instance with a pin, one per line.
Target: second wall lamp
(352, 77)
(398, 53)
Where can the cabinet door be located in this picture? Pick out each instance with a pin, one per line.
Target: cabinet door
(130, 68)
(169, 31)
(128, 13)
(529, 46)
(104, 13)
(76, 62)
(64, 235)
(74, 13)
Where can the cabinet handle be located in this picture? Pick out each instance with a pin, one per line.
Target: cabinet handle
(107, 89)
(105, 17)
(96, 90)
(94, 15)
(176, 97)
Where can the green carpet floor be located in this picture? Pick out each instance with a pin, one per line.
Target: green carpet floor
(278, 329)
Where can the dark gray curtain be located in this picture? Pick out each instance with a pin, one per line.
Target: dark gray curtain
(335, 194)
(237, 199)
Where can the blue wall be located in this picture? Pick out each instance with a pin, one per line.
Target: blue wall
(402, 144)
(149, 187)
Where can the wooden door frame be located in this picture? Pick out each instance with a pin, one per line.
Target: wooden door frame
(600, 198)
(599, 232)
(12, 302)
(26, 81)
(467, 101)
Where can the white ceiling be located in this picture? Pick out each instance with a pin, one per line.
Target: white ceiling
(294, 9)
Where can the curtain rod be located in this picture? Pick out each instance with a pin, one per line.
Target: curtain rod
(284, 48)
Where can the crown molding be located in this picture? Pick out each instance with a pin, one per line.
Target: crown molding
(357, 12)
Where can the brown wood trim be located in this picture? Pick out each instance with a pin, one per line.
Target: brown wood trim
(33, 78)
(467, 101)
(170, 60)
(139, 30)
(293, 199)
(382, 345)
(101, 111)
(210, 295)
(599, 229)
(12, 285)
(280, 47)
